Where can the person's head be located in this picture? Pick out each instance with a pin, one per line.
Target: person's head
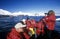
(45, 14)
(50, 12)
(24, 21)
(19, 27)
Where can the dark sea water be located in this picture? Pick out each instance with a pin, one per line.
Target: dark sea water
(6, 23)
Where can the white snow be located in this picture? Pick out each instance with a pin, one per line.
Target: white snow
(57, 19)
(5, 12)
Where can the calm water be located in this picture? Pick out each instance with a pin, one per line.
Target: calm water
(7, 23)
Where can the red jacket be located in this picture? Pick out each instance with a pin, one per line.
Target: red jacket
(30, 23)
(15, 35)
(33, 23)
(40, 27)
(50, 21)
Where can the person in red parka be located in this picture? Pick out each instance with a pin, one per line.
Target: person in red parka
(40, 27)
(33, 23)
(50, 22)
(30, 26)
(28, 23)
(18, 32)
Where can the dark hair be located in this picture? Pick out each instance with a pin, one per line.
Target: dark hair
(22, 22)
(45, 13)
(50, 12)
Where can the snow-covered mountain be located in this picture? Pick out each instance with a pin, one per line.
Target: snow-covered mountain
(5, 12)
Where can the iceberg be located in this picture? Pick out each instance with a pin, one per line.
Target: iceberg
(58, 19)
